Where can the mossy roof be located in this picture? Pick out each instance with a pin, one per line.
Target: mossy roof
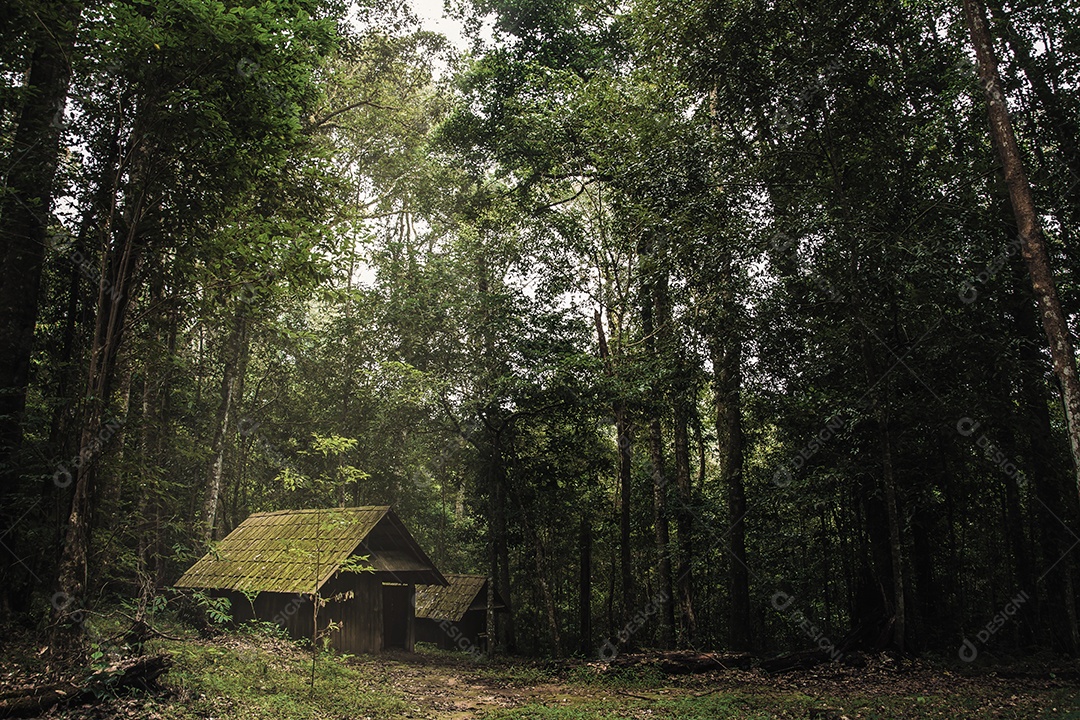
(298, 551)
(451, 602)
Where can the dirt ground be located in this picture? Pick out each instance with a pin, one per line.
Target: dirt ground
(448, 688)
(456, 689)
(233, 677)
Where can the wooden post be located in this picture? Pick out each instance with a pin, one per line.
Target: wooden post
(490, 617)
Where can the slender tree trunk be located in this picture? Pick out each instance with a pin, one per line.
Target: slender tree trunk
(235, 348)
(699, 442)
(585, 586)
(157, 547)
(1013, 514)
(63, 413)
(149, 480)
(680, 398)
(662, 534)
(1033, 245)
(622, 425)
(624, 439)
(496, 470)
(114, 297)
(489, 617)
(727, 376)
(895, 542)
(502, 553)
(540, 563)
(826, 570)
(684, 522)
(661, 524)
(927, 592)
(495, 633)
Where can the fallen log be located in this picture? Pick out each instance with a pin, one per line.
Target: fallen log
(131, 673)
(683, 662)
(805, 660)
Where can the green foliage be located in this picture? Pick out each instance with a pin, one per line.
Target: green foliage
(357, 564)
(263, 628)
(216, 609)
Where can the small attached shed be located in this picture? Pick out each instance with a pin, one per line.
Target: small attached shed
(454, 616)
(271, 565)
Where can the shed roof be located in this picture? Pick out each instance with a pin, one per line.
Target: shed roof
(451, 602)
(297, 551)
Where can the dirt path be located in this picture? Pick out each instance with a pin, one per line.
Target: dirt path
(451, 689)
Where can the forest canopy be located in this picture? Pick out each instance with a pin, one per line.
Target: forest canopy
(693, 324)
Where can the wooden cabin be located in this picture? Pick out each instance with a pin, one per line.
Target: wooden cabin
(362, 560)
(454, 616)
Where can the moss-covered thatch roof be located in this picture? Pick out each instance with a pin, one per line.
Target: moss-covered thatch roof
(451, 602)
(297, 551)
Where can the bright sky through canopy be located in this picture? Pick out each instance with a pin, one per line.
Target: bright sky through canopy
(433, 17)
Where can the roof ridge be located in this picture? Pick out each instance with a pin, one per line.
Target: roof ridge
(306, 511)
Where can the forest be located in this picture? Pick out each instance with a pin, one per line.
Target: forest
(713, 325)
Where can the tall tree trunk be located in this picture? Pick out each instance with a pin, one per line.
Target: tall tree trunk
(79, 256)
(235, 349)
(1033, 245)
(726, 352)
(62, 415)
(727, 377)
(501, 545)
(878, 616)
(680, 398)
(540, 563)
(826, 570)
(622, 431)
(927, 593)
(661, 524)
(26, 200)
(896, 548)
(624, 440)
(489, 616)
(662, 534)
(114, 297)
(148, 490)
(684, 521)
(585, 586)
(699, 442)
(493, 428)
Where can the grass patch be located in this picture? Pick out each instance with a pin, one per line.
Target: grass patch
(521, 673)
(590, 710)
(253, 678)
(769, 706)
(631, 678)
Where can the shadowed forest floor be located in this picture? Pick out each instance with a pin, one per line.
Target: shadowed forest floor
(252, 676)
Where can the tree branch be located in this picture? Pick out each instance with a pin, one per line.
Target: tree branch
(351, 106)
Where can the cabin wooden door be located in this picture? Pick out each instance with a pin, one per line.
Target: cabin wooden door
(398, 616)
